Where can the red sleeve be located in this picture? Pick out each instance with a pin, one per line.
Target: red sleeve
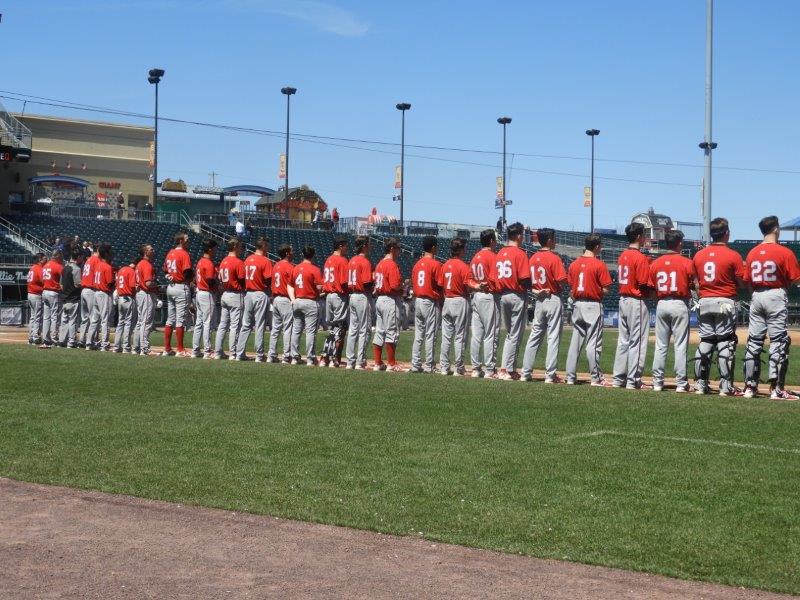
(267, 269)
(109, 276)
(240, 274)
(605, 276)
(395, 280)
(792, 267)
(643, 273)
(342, 276)
(185, 262)
(559, 274)
(748, 262)
(365, 272)
(522, 266)
(741, 272)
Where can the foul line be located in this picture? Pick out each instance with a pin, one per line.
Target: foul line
(670, 438)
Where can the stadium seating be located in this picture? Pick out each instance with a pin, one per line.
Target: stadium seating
(9, 246)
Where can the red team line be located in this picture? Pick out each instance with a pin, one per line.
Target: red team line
(71, 305)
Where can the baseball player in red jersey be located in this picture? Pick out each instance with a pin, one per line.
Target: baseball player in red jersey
(720, 271)
(87, 295)
(231, 280)
(178, 267)
(335, 288)
(548, 278)
(304, 293)
(103, 288)
(388, 290)
(633, 277)
(770, 270)
(146, 297)
(35, 289)
(513, 282)
(427, 307)
(484, 321)
(51, 299)
(589, 280)
(257, 275)
(205, 303)
(126, 307)
(281, 306)
(456, 282)
(673, 277)
(359, 284)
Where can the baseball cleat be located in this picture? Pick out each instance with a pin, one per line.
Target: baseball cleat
(553, 379)
(682, 389)
(116, 350)
(395, 369)
(526, 378)
(349, 367)
(334, 364)
(168, 353)
(750, 391)
(733, 392)
(604, 383)
(445, 373)
(491, 375)
(476, 373)
(311, 362)
(460, 373)
(261, 359)
(504, 375)
(658, 387)
(379, 367)
(208, 356)
(570, 382)
(777, 394)
(414, 370)
(45, 346)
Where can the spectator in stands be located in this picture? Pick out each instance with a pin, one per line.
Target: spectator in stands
(239, 226)
(317, 218)
(250, 227)
(335, 217)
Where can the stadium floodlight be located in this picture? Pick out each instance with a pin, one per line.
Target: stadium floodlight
(592, 133)
(288, 92)
(154, 78)
(504, 121)
(402, 107)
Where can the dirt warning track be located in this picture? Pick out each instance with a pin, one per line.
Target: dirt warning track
(62, 543)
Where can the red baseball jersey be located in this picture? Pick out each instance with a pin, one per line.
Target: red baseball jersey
(146, 276)
(103, 276)
(483, 268)
(359, 273)
(257, 272)
(305, 279)
(51, 275)
(126, 281)
(454, 278)
(231, 274)
(205, 274)
(633, 273)
(770, 265)
(334, 275)
(281, 277)
(35, 284)
(176, 263)
(587, 276)
(717, 268)
(388, 281)
(547, 271)
(87, 273)
(425, 278)
(511, 267)
(671, 276)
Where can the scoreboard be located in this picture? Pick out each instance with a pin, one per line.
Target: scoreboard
(5, 155)
(9, 154)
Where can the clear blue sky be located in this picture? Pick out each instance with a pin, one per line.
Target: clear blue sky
(634, 70)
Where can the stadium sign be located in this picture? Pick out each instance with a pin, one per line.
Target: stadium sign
(12, 276)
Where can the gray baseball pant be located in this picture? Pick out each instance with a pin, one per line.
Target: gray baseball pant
(587, 327)
(358, 330)
(205, 307)
(512, 310)
(717, 330)
(769, 313)
(36, 309)
(387, 320)
(177, 304)
(634, 329)
(126, 319)
(87, 308)
(69, 322)
(547, 320)
(672, 321)
(256, 305)
(426, 322)
(145, 310)
(230, 320)
(305, 315)
(52, 316)
(484, 326)
(454, 327)
(101, 315)
(282, 317)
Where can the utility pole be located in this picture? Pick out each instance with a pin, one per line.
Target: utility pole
(708, 145)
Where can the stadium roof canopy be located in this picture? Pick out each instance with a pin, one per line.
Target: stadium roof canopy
(250, 190)
(793, 224)
(59, 179)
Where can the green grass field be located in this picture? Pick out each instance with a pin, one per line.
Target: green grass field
(687, 486)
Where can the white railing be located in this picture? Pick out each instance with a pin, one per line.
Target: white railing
(23, 238)
(12, 132)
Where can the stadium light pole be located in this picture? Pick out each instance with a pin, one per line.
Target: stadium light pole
(289, 92)
(402, 107)
(154, 77)
(707, 145)
(592, 133)
(504, 121)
